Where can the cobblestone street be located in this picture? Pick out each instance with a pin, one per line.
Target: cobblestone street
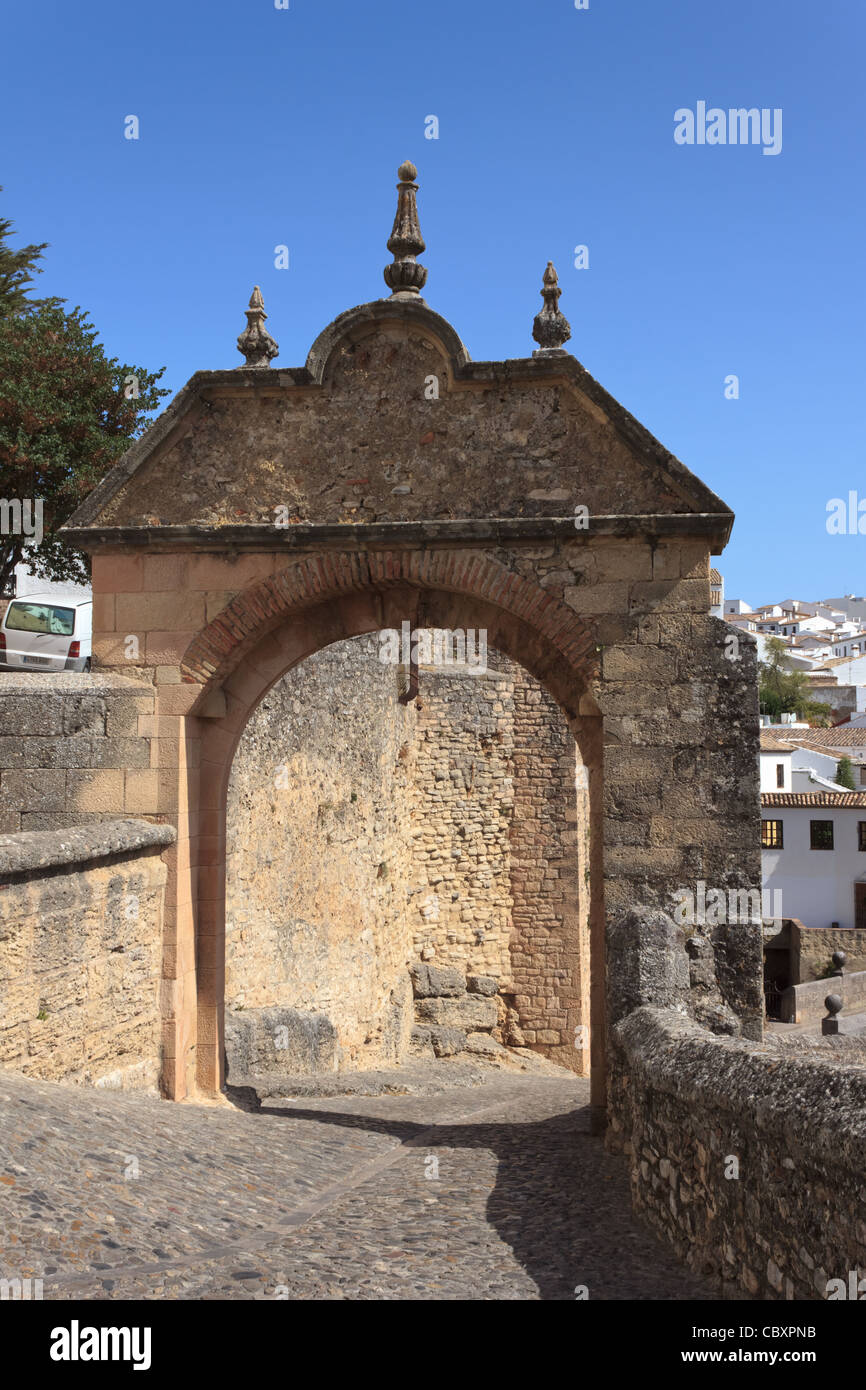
(491, 1192)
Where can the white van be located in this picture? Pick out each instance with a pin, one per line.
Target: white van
(45, 633)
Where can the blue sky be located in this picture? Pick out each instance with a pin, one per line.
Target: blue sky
(262, 127)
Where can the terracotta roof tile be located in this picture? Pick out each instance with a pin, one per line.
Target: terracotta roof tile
(770, 743)
(842, 736)
(792, 799)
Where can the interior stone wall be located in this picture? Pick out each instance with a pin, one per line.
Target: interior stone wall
(366, 832)
(549, 851)
(318, 867)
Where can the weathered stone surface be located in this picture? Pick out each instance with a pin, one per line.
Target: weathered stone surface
(268, 1042)
(420, 1043)
(482, 1045)
(446, 1042)
(481, 984)
(81, 921)
(647, 963)
(481, 868)
(53, 728)
(34, 850)
(469, 1013)
(770, 1149)
(433, 980)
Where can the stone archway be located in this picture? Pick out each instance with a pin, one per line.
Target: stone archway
(269, 512)
(272, 627)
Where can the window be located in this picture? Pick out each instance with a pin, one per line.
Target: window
(822, 834)
(780, 774)
(771, 834)
(861, 834)
(40, 617)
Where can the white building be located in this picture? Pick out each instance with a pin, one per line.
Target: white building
(776, 758)
(813, 851)
(852, 606)
(27, 583)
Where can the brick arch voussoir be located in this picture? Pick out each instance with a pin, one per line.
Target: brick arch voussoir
(252, 614)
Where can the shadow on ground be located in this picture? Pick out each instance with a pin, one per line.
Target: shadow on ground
(560, 1202)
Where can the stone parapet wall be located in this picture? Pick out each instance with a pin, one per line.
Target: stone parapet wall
(75, 748)
(81, 915)
(804, 1003)
(812, 949)
(752, 1166)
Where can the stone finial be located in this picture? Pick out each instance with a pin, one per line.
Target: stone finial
(404, 275)
(551, 328)
(833, 1025)
(839, 958)
(256, 343)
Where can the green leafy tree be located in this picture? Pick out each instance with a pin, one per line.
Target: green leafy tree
(67, 413)
(17, 268)
(845, 774)
(782, 690)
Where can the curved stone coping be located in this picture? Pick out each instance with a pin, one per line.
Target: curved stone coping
(819, 1106)
(31, 851)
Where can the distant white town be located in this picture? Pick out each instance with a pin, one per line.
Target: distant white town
(813, 826)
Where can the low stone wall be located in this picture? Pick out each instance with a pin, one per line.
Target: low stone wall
(74, 747)
(751, 1164)
(812, 949)
(805, 1003)
(80, 936)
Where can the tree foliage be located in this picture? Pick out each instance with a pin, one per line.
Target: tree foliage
(17, 268)
(782, 690)
(845, 773)
(67, 413)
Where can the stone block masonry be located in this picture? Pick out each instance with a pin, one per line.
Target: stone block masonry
(73, 751)
(81, 914)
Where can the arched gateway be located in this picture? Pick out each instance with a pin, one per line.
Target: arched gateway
(271, 512)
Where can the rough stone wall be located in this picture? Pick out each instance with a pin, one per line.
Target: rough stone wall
(74, 748)
(319, 860)
(375, 446)
(80, 953)
(550, 958)
(411, 832)
(462, 808)
(752, 1166)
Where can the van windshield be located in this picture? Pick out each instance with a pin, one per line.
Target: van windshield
(40, 617)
